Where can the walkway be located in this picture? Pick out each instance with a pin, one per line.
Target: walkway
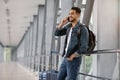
(12, 71)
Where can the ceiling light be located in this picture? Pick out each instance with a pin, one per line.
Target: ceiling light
(8, 21)
(7, 12)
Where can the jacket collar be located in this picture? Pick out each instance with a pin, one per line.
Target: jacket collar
(77, 25)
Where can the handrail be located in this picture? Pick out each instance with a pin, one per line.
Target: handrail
(105, 51)
(96, 51)
(102, 78)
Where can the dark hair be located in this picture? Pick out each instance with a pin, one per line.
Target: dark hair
(77, 9)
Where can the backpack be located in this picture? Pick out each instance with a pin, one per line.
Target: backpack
(92, 38)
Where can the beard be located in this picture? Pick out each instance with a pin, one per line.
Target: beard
(72, 20)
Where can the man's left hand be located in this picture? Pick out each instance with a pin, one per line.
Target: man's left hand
(71, 57)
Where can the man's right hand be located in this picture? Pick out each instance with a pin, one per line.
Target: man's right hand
(63, 22)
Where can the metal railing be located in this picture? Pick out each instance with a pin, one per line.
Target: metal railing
(97, 77)
(99, 52)
(50, 62)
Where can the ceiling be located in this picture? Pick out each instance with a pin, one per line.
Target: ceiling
(15, 18)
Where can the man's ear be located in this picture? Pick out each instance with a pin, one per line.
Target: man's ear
(78, 15)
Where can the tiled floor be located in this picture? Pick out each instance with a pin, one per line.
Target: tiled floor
(12, 71)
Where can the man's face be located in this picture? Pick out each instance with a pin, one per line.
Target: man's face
(73, 15)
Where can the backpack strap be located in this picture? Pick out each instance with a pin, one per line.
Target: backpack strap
(79, 34)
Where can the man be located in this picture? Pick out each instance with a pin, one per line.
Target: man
(69, 26)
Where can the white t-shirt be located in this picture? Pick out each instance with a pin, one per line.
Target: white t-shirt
(68, 40)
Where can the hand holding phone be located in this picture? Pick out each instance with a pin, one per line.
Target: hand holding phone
(63, 22)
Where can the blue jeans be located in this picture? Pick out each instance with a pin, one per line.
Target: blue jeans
(69, 69)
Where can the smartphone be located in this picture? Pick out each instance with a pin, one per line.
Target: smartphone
(68, 19)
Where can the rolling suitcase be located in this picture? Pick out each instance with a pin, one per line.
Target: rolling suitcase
(48, 75)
